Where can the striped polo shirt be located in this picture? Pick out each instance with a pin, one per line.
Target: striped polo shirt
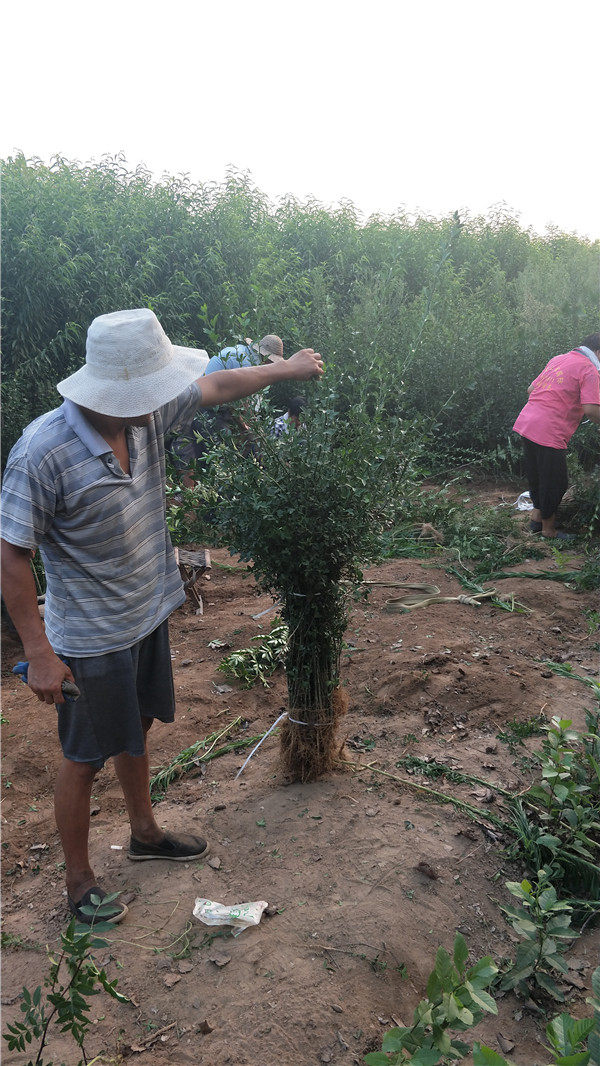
(102, 534)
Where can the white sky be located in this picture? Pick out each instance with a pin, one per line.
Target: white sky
(437, 106)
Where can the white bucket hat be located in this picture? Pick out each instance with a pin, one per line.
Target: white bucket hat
(131, 367)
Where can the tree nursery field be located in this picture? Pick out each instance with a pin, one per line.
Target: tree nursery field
(365, 872)
(405, 674)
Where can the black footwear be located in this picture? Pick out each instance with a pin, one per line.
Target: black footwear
(559, 535)
(115, 911)
(181, 848)
(535, 527)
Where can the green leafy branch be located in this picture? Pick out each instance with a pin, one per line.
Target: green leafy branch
(543, 921)
(456, 1000)
(259, 663)
(191, 759)
(72, 978)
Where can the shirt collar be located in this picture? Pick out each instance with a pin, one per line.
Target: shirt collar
(88, 436)
(589, 354)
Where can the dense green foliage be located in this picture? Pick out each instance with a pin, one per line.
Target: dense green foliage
(456, 999)
(307, 516)
(463, 315)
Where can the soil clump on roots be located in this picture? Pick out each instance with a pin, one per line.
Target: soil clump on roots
(309, 739)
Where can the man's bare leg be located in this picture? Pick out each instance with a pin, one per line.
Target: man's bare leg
(72, 795)
(148, 840)
(133, 772)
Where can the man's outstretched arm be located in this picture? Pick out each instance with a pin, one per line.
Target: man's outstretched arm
(225, 386)
(46, 671)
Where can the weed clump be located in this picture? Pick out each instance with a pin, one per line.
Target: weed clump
(249, 665)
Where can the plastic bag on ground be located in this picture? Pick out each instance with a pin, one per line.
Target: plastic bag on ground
(523, 502)
(239, 915)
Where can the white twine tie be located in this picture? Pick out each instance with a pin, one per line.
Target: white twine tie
(267, 734)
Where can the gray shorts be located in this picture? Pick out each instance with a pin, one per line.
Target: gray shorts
(117, 690)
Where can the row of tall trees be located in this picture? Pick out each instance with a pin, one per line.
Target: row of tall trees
(463, 313)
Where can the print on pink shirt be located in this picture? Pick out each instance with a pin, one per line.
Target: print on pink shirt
(550, 379)
(554, 408)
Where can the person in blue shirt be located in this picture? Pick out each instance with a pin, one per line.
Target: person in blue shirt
(269, 349)
(208, 425)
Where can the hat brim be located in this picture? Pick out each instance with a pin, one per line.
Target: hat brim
(140, 395)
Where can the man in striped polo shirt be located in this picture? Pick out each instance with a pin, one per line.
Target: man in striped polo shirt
(86, 484)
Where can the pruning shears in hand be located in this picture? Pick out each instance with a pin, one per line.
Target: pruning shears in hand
(69, 688)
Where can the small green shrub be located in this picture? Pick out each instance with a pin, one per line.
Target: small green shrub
(307, 516)
(557, 821)
(543, 922)
(72, 978)
(456, 1000)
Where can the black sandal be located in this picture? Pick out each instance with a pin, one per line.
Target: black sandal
(115, 912)
(559, 535)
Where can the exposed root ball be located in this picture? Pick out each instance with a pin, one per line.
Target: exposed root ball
(311, 749)
(339, 702)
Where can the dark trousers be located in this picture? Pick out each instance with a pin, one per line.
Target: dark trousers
(546, 471)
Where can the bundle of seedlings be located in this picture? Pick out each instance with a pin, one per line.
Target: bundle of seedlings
(307, 514)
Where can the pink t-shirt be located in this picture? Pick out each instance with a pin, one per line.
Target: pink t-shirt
(554, 408)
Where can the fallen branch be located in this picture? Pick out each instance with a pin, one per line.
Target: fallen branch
(412, 762)
(192, 758)
(475, 813)
(137, 1049)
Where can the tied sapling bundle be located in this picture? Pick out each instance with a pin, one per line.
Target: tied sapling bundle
(307, 515)
(309, 510)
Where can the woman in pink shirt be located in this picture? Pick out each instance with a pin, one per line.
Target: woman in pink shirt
(567, 390)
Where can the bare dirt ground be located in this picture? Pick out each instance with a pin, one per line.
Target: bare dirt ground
(364, 877)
